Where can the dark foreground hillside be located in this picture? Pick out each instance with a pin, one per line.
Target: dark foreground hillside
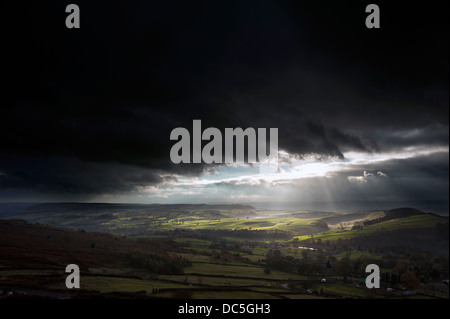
(34, 256)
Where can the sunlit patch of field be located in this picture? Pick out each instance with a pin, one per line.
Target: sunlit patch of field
(199, 223)
(416, 221)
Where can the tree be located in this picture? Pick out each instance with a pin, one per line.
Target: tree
(401, 266)
(344, 267)
(332, 259)
(306, 255)
(410, 280)
(436, 271)
(320, 257)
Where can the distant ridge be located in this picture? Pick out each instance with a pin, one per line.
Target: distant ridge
(75, 205)
(399, 213)
(440, 207)
(11, 211)
(402, 212)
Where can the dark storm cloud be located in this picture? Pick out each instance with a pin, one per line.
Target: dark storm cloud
(72, 176)
(108, 95)
(425, 136)
(421, 177)
(433, 166)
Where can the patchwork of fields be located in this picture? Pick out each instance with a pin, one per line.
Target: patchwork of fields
(224, 252)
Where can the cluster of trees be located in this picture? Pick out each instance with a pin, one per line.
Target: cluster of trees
(271, 234)
(321, 224)
(212, 234)
(435, 239)
(408, 269)
(307, 265)
(155, 263)
(228, 253)
(224, 255)
(393, 214)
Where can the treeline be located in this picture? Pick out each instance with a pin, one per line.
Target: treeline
(426, 238)
(275, 260)
(435, 239)
(393, 214)
(321, 225)
(159, 264)
(211, 234)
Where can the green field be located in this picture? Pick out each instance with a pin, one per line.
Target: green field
(111, 284)
(346, 291)
(217, 281)
(238, 271)
(419, 221)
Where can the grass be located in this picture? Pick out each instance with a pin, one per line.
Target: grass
(417, 221)
(193, 222)
(303, 296)
(341, 290)
(194, 243)
(410, 222)
(110, 284)
(29, 272)
(215, 281)
(231, 270)
(231, 295)
(358, 254)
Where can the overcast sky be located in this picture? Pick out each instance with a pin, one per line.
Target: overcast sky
(362, 114)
